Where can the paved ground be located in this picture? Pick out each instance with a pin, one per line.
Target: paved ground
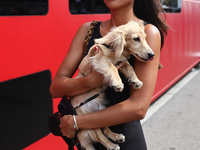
(173, 122)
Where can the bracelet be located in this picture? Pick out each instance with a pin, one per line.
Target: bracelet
(90, 82)
(75, 123)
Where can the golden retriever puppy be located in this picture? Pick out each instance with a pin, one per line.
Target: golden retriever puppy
(125, 40)
(114, 48)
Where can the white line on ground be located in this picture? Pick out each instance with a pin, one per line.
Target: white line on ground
(169, 94)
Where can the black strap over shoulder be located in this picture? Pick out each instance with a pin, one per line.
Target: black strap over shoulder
(89, 35)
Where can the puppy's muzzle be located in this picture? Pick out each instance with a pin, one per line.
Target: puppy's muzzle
(149, 56)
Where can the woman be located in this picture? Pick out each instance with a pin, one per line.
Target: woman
(130, 106)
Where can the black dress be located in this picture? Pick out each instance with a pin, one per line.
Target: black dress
(134, 138)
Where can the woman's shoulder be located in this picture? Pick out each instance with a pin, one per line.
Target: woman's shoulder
(153, 37)
(84, 26)
(82, 31)
(151, 30)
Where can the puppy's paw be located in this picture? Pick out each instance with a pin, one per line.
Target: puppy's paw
(116, 147)
(118, 87)
(137, 84)
(120, 138)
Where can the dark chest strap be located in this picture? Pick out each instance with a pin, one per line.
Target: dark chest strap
(88, 100)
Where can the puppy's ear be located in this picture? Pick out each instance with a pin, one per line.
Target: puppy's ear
(119, 43)
(115, 38)
(94, 50)
(91, 52)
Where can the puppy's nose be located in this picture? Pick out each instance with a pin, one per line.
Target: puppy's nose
(151, 56)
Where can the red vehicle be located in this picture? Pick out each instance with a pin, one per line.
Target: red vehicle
(35, 37)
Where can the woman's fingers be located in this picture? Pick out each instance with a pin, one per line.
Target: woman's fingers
(66, 126)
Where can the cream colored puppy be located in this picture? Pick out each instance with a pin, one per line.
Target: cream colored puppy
(114, 48)
(125, 40)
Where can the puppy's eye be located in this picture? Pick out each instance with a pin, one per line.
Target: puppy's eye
(137, 39)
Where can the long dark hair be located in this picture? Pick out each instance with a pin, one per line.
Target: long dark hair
(150, 11)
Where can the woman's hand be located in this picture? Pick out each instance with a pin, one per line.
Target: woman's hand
(96, 79)
(67, 126)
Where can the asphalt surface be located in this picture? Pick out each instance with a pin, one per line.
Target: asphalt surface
(173, 121)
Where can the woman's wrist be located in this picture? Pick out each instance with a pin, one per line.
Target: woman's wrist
(71, 122)
(79, 121)
(75, 123)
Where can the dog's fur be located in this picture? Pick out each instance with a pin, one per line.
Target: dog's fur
(125, 40)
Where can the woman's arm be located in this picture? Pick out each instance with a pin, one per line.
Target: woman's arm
(135, 107)
(63, 84)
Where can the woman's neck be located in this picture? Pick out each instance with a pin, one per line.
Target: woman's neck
(123, 18)
(122, 15)
(118, 17)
